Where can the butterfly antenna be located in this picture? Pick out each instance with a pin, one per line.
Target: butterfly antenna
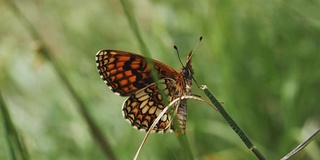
(196, 83)
(194, 49)
(176, 48)
(190, 55)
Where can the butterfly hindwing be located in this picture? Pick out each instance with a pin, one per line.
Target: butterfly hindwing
(144, 106)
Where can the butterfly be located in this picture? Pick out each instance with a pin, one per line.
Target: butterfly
(129, 74)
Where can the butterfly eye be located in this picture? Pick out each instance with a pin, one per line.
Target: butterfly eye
(185, 72)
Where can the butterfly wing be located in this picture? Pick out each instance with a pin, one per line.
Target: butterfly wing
(125, 72)
(144, 106)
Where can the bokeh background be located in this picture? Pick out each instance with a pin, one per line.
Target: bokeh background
(261, 58)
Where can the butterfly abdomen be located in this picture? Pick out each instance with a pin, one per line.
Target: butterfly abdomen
(182, 115)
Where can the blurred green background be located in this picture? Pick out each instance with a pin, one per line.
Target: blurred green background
(261, 58)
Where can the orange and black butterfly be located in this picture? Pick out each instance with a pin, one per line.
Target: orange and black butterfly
(129, 74)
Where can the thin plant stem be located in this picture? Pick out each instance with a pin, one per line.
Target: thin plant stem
(160, 116)
(233, 124)
(302, 145)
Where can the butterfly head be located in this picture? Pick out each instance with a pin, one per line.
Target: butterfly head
(187, 70)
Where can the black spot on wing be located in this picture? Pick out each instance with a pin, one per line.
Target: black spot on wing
(138, 84)
(127, 64)
(137, 74)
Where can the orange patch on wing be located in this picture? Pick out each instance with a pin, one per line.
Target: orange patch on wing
(123, 58)
(162, 125)
(139, 117)
(119, 76)
(147, 118)
(120, 64)
(132, 78)
(114, 71)
(123, 82)
(128, 73)
(135, 111)
(110, 66)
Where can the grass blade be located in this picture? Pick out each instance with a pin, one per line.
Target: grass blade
(302, 145)
(233, 124)
(15, 141)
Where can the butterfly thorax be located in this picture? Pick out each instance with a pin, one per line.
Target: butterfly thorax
(183, 88)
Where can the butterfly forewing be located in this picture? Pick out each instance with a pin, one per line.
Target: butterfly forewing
(125, 73)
